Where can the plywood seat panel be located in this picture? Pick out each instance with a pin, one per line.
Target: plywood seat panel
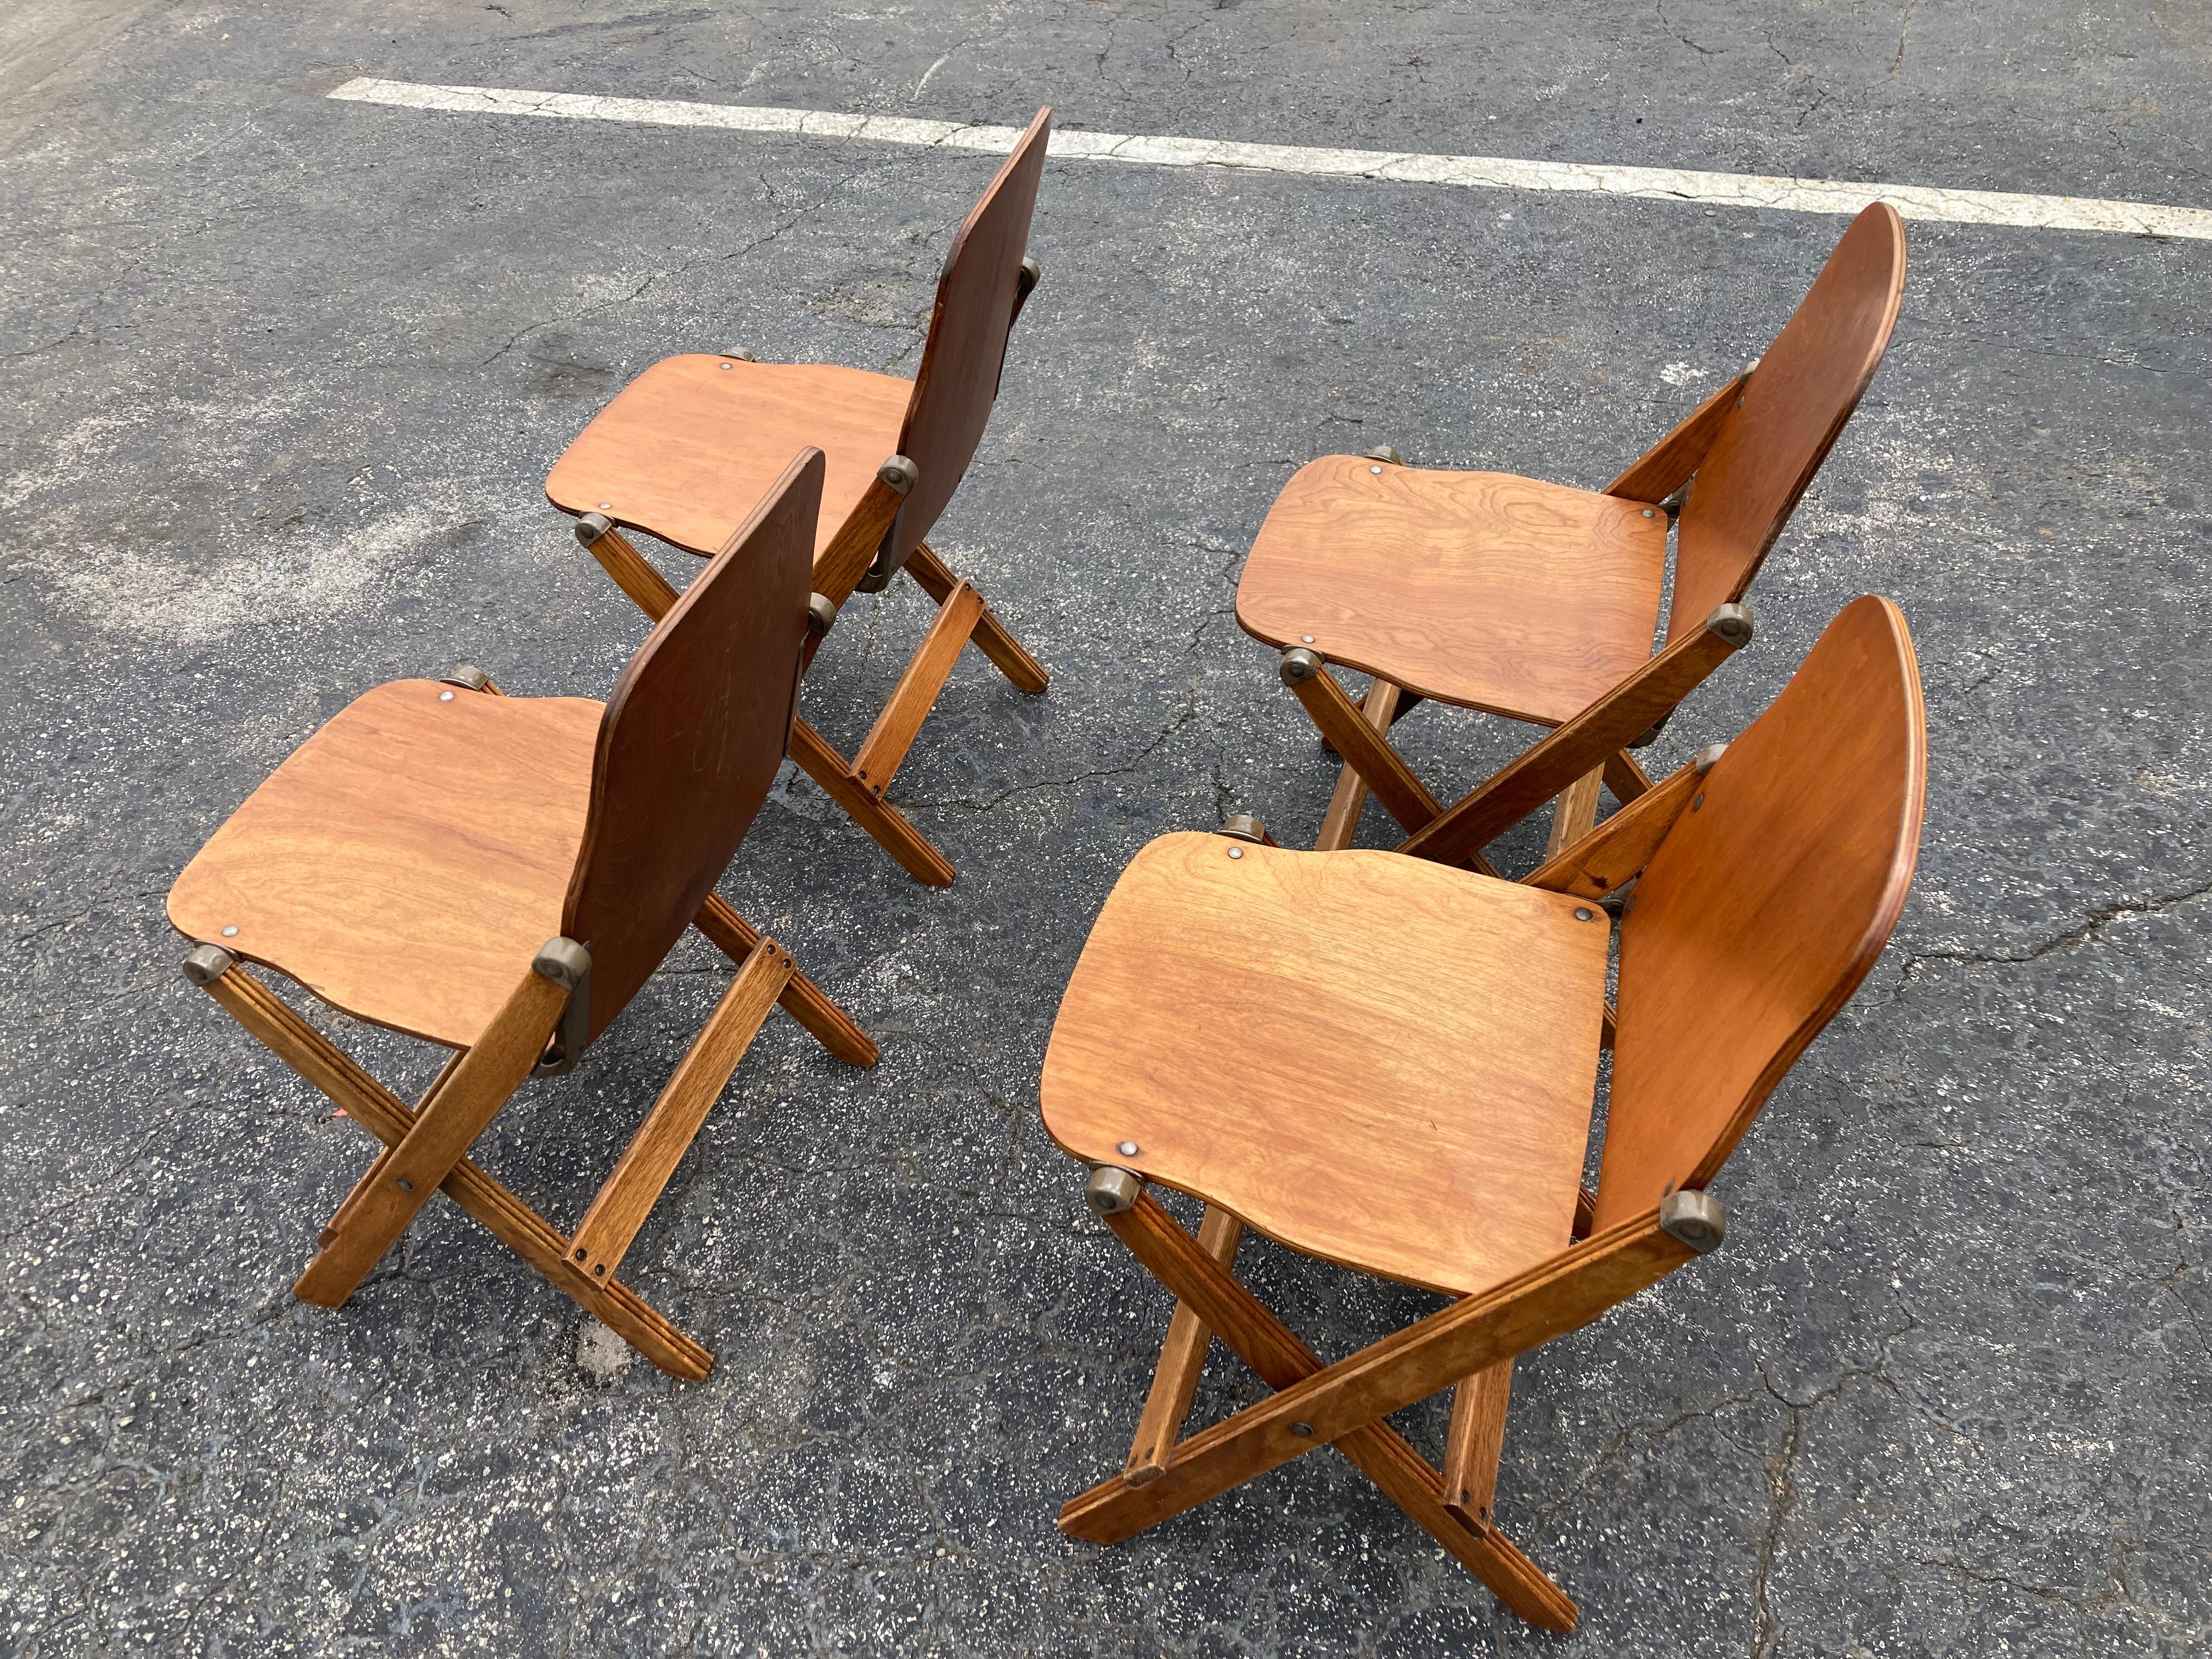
(1374, 1059)
(408, 861)
(686, 449)
(1482, 589)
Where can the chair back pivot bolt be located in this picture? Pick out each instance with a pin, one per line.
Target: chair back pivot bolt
(900, 473)
(821, 614)
(1298, 665)
(1384, 453)
(206, 963)
(468, 676)
(1732, 622)
(568, 965)
(1243, 826)
(1110, 1191)
(591, 527)
(1698, 1220)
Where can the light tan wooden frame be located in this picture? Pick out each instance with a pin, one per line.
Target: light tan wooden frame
(425, 1147)
(858, 785)
(1567, 765)
(874, 536)
(1346, 1404)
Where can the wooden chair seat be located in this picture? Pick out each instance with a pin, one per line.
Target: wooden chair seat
(1247, 1025)
(687, 449)
(407, 856)
(1481, 589)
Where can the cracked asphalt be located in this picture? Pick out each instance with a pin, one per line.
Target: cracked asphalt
(281, 377)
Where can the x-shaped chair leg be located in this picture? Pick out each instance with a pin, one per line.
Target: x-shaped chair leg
(858, 785)
(1346, 1404)
(1593, 742)
(426, 1148)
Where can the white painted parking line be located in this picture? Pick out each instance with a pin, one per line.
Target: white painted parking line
(1965, 207)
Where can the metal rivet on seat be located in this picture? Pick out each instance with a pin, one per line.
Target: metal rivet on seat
(1374, 469)
(1235, 852)
(445, 696)
(1305, 639)
(726, 365)
(606, 506)
(1647, 513)
(1584, 915)
(1128, 1149)
(231, 931)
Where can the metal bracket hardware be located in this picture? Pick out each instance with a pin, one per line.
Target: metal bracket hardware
(1298, 665)
(1243, 826)
(1384, 453)
(1698, 1220)
(1732, 622)
(206, 963)
(591, 527)
(1110, 1191)
(468, 676)
(902, 475)
(740, 357)
(1706, 758)
(821, 614)
(568, 965)
(1025, 284)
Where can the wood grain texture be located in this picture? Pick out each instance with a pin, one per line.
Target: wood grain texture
(1182, 1360)
(280, 1030)
(1560, 1294)
(1801, 394)
(1475, 1441)
(1761, 913)
(992, 637)
(452, 1116)
(883, 821)
(1667, 466)
(884, 747)
(634, 1185)
(686, 449)
(1368, 750)
(1492, 592)
(408, 860)
(1118, 1509)
(694, 729)
(1610, 856)
(1244, 1020)
(1574, 812)
(957, 379)
(1566, 753)
(802, 998)
(1339, 824)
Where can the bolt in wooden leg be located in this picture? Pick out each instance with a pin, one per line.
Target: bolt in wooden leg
(992, 638)
(889, 828)
(802, 998)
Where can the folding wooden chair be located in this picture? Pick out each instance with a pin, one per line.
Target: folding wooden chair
(405, 863)
(686, 449)
(1538, 602)
(1238, 1027)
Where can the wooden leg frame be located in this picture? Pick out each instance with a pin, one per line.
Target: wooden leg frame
(1567, 764)
(1471, 1343)
(426, 1148)
(858, 785)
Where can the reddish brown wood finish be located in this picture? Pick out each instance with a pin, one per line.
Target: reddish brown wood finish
(1763, 907)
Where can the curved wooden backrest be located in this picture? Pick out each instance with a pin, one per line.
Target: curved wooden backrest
(1802, 392)
(692, 736)
(1765, 908)
(959, 379)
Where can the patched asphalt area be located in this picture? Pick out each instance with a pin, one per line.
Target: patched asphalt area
(282, 377)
